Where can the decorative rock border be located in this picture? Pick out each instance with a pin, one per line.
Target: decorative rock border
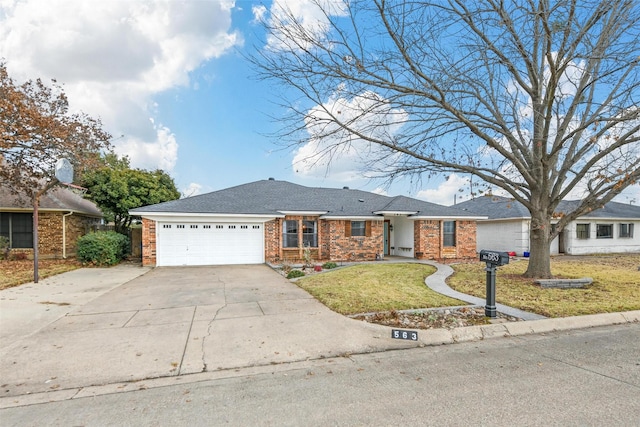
(564, 283)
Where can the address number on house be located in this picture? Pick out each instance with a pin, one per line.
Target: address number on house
(399, 334)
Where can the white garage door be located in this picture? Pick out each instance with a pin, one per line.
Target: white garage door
(209, 244)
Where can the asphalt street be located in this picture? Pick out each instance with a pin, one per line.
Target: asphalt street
(585, 377)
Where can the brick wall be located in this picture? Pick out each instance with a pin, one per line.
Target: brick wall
(333, 243)
(50, 237)
(466, 239)
(50, 234)
(274, 251)
(428, 238)
(343, 247)
(272, 239)
(148, 242)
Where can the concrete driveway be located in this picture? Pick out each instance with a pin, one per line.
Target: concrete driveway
(123, 324)
(105, 330)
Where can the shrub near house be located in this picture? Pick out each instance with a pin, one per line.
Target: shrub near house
(102, 248)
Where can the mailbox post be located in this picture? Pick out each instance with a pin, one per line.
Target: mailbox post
(492, 259)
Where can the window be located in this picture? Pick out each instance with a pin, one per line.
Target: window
(626, 230)
(582, 231)
(358, 228)
(449, 233)
(18, 228)
(604, 231)
(310, 234)
(290, 234)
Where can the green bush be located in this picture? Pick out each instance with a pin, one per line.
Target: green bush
(329, 265)
(102, 248)
(4, 248)
(294, 274)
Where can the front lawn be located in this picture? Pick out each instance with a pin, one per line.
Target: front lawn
(615, 287)
(373, 287)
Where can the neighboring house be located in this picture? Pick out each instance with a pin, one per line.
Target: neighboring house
(275, 221)
(63, 217)
(611, 229)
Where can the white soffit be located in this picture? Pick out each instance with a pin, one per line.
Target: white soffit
(306, 213)
(204, 217)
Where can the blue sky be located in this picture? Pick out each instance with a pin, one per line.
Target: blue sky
(169, 80)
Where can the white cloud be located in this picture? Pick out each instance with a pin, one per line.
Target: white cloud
(381, 191)
(259, 13)
(450, 190)
(308, 18)
(193, 189)
(161, 153)
(113, 56)
(337, 154)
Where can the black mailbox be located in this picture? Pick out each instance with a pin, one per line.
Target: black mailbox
(494, 257)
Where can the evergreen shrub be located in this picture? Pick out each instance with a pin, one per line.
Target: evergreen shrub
(102, 248)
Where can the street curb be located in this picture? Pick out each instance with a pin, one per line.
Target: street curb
(431, 337)
(435, 337)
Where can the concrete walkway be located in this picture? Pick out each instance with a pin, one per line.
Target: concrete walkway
(437, 282)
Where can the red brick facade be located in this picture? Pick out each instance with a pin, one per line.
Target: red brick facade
(344, 247)
(335, 242)
(148, 242)
(429, 238)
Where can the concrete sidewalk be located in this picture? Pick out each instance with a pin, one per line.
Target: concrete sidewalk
(437, 283)
(108, 329)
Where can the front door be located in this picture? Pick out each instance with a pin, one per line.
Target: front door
(561, 242)
(386, 237)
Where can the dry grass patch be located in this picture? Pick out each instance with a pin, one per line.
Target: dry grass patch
(375, 287)
(615, 287)
(14, 273)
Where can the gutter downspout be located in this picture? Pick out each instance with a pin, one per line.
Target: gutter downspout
(64, 234)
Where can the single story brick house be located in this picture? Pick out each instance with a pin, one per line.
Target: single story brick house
(606, 230)
(63, 217)
(275, 221)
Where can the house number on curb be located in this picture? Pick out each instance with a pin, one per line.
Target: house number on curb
(404, 335)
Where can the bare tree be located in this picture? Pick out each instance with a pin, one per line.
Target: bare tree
(537, 98)
(36, 130)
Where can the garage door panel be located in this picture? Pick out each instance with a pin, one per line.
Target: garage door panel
(210, 244)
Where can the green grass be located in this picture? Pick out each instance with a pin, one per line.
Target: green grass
(375, 287)
(371, 287)
(616, 285)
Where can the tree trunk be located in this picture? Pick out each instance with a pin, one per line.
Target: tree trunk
(539, 257)
(36, 203)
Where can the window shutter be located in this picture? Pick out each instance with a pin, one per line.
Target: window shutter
(367, 228)
(347, 228)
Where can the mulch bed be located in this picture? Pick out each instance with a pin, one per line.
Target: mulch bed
(447, 318)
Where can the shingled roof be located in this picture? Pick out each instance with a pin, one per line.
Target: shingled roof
(56, 199)
(496, 207)
(271, 197)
